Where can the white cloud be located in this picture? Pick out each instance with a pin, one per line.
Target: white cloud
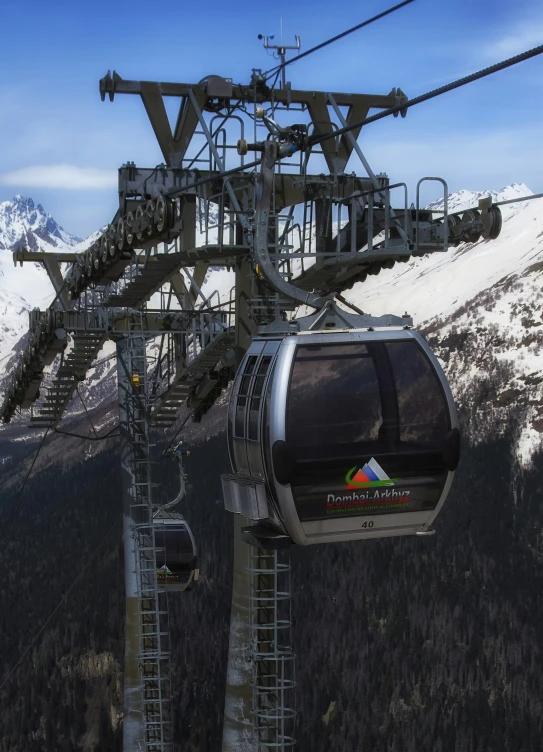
(524, 36)
(64, 176)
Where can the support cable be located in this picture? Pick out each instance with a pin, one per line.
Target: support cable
(494, 203)
(86, 411)
(108, 435)
(318, 139)
(180, 429)
(59, 293)
(517, 200)
(212, 178)
(18, 499)
(278, 68)
(62, 600)
(352, 306)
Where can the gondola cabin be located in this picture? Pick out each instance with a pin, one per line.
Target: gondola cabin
(339, 436)
(176, 555)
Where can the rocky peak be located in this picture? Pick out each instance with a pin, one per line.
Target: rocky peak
(24, 223)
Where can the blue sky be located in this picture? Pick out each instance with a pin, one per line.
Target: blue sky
(62, 146)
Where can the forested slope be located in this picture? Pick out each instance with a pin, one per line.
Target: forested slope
(420, 644)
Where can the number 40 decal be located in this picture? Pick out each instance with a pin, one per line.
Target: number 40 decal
(367, 523)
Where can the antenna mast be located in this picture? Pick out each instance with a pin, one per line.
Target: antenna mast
(281, 50)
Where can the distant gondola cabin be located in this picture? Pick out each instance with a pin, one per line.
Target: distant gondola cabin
(176, 555)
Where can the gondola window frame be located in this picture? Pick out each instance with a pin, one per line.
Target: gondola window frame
(402, 523)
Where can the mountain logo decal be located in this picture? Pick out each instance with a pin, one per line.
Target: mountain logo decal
(371, 475)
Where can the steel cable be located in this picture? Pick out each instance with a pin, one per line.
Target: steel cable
(278, 68)
(108, 435)
(18, 499)
(494, 203)
(314, 140)
(86, 411)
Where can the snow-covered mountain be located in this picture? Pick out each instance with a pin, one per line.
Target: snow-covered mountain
(23, 223)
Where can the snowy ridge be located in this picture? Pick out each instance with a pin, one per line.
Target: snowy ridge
(462, 200)
(439, 283)
(480, 304)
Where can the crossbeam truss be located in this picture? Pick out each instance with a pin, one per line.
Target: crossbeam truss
(296, 226)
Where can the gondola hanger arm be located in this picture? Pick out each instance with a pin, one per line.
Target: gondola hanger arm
(271, 153)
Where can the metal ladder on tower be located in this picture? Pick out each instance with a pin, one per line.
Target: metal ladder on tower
(154, 653)
(271, 649)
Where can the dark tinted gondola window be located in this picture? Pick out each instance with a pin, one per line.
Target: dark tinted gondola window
(423, 418)
(256, 393)
(334, 396)
(241, 403)
(366, 429)
(176, 544)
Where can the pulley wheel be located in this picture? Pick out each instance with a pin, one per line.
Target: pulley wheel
(103, 248)
(496, 225)
(163, 214)
(120, 235)
(362, 277)
(129, 235)
(139, 219)
(453, 223)
(471, 235)
(150, 212)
